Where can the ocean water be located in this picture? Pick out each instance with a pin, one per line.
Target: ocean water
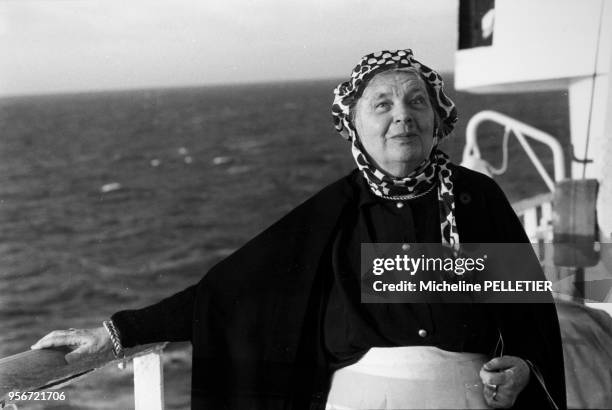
(114, 200)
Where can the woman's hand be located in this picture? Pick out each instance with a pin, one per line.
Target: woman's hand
(83, 342)
(504, 378)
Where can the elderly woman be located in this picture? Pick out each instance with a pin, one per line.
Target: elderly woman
(280, 323)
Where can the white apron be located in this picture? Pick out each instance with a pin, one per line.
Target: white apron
(409, 377)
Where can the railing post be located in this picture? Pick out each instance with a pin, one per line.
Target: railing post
(531, 223)
(149, 381)
(546, 222)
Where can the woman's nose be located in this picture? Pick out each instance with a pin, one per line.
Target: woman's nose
(402, 113)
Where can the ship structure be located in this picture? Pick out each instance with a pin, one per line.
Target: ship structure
(526, 46)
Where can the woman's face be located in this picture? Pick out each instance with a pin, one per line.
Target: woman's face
(394, 120)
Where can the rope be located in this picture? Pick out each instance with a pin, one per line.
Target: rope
(593, 77)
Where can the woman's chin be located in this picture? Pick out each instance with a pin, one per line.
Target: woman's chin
(402, 167)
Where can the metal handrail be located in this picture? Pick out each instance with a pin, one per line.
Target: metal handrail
(521, 131)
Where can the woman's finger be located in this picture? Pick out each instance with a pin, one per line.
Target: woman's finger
(496, 398)
(502, 363)
(500, 395)
(496, 378)
(58, 338)
(76, 354)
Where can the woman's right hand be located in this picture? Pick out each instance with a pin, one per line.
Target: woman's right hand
(82, 341)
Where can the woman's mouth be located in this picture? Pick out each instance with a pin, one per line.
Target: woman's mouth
(404, 135)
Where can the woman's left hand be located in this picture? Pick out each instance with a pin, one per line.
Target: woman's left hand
(504, 378)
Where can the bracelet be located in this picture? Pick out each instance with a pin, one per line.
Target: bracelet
(114, 337)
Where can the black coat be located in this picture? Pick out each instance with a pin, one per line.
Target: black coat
(255, 319)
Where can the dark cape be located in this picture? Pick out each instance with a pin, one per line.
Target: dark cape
(255, 320)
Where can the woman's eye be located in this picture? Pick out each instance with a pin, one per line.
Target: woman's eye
(382, 105)
(418, 100)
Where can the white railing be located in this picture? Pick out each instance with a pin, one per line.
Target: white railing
(521, 131)
(535, 212)
(39, 370)
(536, 215)
(149, 381)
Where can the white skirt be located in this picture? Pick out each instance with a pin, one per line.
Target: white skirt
(409, 377)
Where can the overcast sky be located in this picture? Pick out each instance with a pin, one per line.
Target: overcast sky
(74, 45)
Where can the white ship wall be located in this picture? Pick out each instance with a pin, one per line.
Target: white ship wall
(553, 44)
(556, 45)
(538, 44)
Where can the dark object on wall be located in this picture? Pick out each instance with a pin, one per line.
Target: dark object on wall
(575, 224)
(471, 13)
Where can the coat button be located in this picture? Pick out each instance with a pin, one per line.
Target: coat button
(422, 332)
(465, 198)
(400, 205)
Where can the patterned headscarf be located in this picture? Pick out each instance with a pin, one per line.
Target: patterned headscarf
(434, 170)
